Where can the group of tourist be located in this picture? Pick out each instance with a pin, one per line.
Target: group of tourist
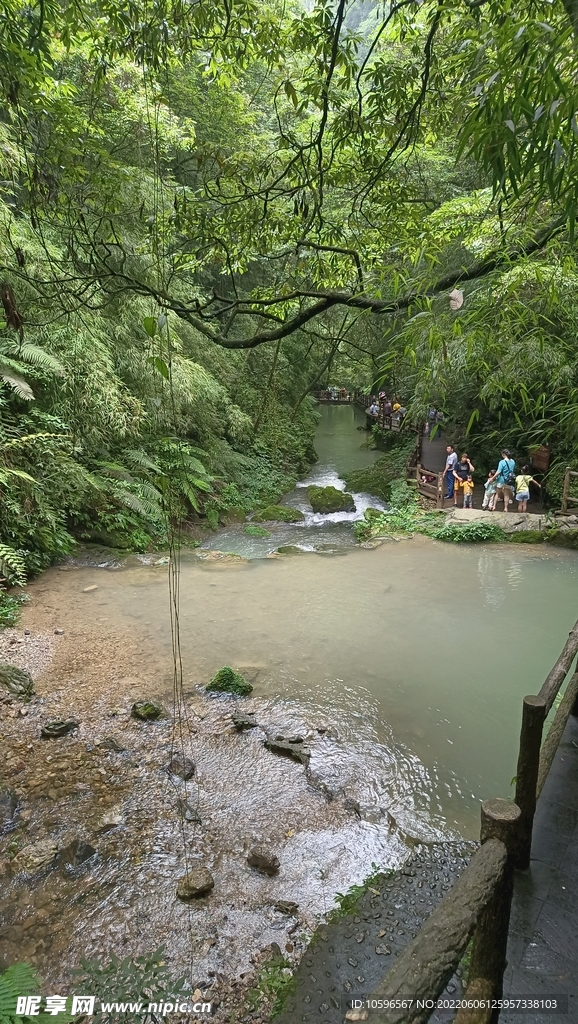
(391, 407)
(501, 485)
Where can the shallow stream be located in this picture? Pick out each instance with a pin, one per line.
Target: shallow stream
(403, 667)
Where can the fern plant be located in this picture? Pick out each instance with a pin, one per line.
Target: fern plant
(12, 566)
(21, 980)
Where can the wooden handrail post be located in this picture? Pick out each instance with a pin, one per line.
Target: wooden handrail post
(566, 490)
(500, 820)
(574, 710)
(533, 717)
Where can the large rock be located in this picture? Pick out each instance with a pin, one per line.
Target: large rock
(294, 748)
(182, 767)
(242, 722)
(278, 514)
(18, 682)
(58, 727)
(329, 499)
(35, 856)
(264, 860)
(197, 883)
(227, 680)
(146, 710)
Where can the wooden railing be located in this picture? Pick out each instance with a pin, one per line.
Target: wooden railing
(478, 905)
(430, 485)
(567, 498)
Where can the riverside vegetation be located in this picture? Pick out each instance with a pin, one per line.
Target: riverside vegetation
(193, 210)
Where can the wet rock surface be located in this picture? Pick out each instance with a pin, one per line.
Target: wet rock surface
(181, 766)
(294, 748)
(37, 855)
(76, 855)
(8, 809)
(263, 859)
(350, 955)
(196, 883)
(58, 727)
(242, 722)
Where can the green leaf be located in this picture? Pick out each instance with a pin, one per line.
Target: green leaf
(150, 324)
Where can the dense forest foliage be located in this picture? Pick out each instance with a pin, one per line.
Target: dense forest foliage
(208, 209)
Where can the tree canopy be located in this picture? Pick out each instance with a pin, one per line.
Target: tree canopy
(205, 207)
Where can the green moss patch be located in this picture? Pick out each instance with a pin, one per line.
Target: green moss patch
(256, 531)
(329, 499)
(527, 537)
(227, 680)
(278, 514)
(563, 538)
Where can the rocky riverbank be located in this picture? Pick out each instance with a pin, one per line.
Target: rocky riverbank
(100, 828)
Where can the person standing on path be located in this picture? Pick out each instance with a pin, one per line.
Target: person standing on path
(462, 470)
(505, 480)
(523, 481)
(468, 489)
(448, 474)
(489, 491)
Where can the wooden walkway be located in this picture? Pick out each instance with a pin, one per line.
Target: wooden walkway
(543, 940)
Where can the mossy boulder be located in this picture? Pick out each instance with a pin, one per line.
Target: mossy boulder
(256, 531)
(147, 710)
(18, 682)
(564, 538)
(527, 537)
(228, 681)
(328, 499)
(278, 514)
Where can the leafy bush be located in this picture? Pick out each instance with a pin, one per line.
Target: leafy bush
(470, 532)
(10, 607)
(274, 983)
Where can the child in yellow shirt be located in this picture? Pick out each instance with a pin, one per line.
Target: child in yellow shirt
(468, 487)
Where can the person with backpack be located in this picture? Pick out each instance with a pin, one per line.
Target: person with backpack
(505, 480)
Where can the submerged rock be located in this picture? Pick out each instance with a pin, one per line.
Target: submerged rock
(290, 549)
(188, 813)
(329, 499)
(242, 722)
(294, 748)
(264, 860)
(198, 882)
(111, 743)
(182, 767)
(287, 907)
(146, 710)
(227, 680)
(75, 855)
(8, 807)
(278, 514)
(18, 682)
(35, 856)
(58, 727)
(112, 819)
(256, 531)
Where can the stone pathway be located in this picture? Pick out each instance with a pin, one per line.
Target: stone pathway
(543, 942)
(350, 955)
